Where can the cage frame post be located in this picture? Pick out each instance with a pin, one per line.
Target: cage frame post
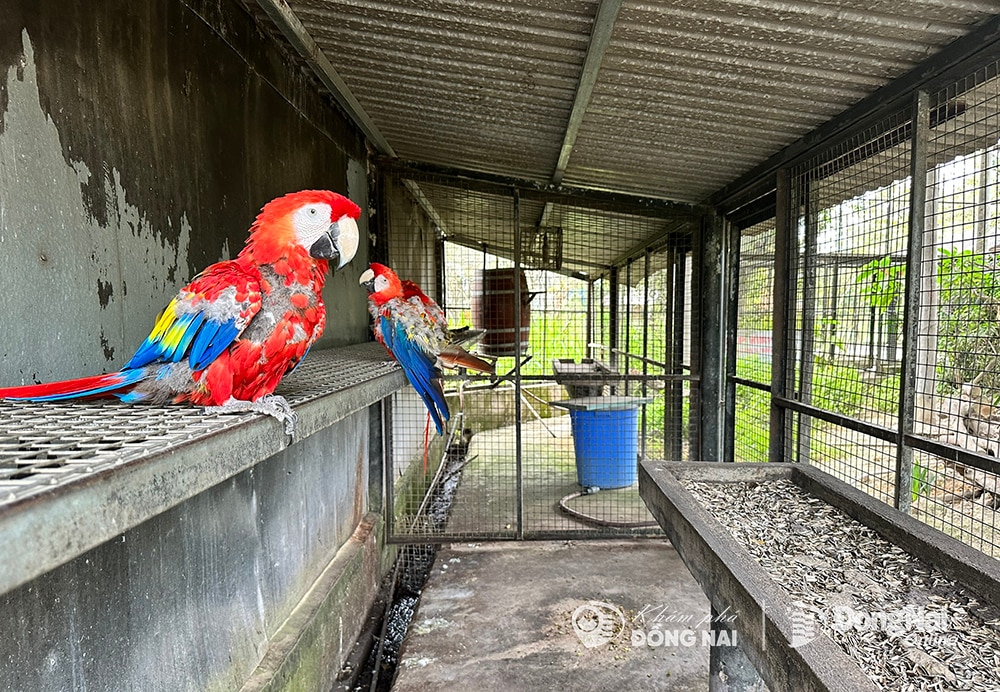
(912, 309)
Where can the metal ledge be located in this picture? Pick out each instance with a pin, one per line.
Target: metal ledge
(74, 475)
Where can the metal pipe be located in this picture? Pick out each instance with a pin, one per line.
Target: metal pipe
(518, 443)
(645, 346)
(808, 339)
(731, 276)
(781, 295)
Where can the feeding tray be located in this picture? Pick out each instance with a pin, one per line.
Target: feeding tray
(809, 615)
(584, 379)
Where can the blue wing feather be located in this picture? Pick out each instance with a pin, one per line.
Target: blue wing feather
(192, 326)
(212, 339)
(227, 291)
(419, 369)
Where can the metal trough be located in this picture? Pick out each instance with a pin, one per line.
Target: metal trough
(584, 379)
(733, 579)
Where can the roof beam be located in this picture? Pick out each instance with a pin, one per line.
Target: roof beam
(600, 38)
(285, 19)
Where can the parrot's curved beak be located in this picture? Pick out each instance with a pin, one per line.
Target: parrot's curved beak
(339, 244)
(367, 280)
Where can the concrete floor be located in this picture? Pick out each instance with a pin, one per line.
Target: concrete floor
(507, 616)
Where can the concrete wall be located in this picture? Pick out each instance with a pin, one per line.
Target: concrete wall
(137, 143)
(411, 239)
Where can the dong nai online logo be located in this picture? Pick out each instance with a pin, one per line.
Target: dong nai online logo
(915, 624)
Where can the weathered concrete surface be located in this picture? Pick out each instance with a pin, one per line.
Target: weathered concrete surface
(501, 616)
(137, 144)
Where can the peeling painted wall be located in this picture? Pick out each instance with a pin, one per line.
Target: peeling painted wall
(137, 143)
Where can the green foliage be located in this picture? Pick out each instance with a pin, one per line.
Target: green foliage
(968, 329)
(841, 389)
(753, 424)
(921, 480)
(880, 282)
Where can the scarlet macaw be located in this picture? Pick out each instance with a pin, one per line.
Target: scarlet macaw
(415, 334)
(228, 337)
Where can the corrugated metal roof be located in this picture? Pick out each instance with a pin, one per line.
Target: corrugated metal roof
(688, 95)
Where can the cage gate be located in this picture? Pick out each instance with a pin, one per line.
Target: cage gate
(585, 305)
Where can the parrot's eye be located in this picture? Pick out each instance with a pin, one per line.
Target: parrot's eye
(312, 211)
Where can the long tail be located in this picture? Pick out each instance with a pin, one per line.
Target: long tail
(94, 386)
(457, 357)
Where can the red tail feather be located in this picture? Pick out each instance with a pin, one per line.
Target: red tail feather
(457, 357)
(66, 388)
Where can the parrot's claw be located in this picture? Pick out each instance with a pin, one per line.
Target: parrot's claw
(271, 404)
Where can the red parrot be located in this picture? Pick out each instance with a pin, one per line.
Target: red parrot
(413, 331)
(241, 325)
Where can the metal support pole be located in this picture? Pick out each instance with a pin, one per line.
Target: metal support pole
(911, 315)
(732, 282)
(628, 327)
(518, 446)
(441, 273)
(712, 326)
(671, 427)
(645, 348)
(808, 344)
(590, 313)
(613, 317)
(676, 408)
(781, 316)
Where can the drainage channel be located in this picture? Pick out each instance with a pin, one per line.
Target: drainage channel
(371, 667)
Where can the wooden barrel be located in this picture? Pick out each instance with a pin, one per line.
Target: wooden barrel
(493, 310)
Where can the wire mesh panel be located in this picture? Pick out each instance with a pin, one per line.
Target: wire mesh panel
(957, 354)
(585, 312)
(753, 343)
(958, 499)
(853, 223)
(895, 357)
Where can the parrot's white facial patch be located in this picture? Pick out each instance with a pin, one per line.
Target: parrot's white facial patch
(348, 239)
(311, 221)
(374, 284)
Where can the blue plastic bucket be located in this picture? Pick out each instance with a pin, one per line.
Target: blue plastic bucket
(607, 447)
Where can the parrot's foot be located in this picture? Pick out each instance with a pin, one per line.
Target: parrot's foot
(272, 405)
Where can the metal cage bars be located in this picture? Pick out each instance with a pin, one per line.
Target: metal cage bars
(900, 252)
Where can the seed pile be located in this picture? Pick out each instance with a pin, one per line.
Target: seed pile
(907, 625)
